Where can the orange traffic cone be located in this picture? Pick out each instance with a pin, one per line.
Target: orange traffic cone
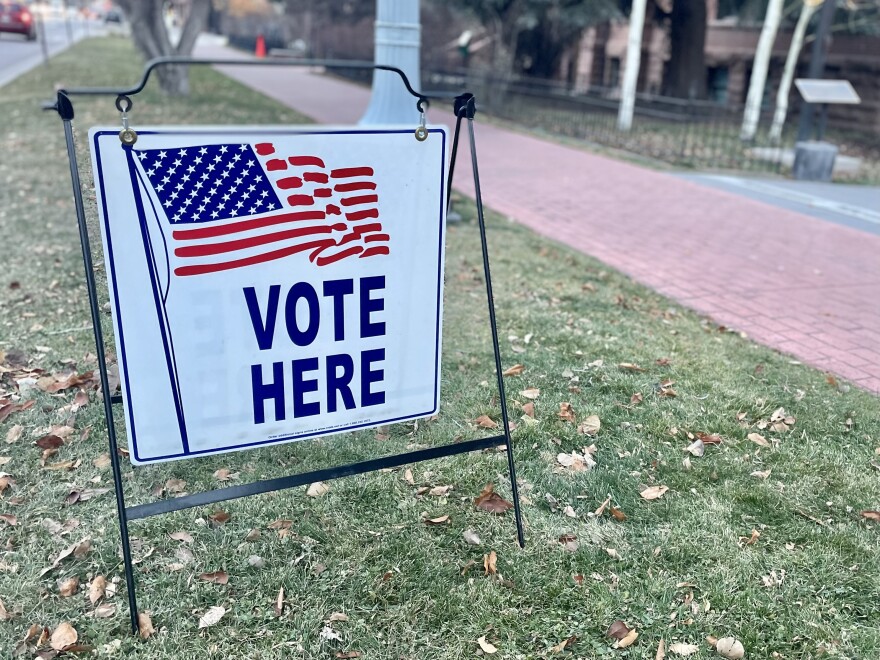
(260, 50)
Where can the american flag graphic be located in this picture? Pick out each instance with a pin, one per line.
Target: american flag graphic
(236, 205)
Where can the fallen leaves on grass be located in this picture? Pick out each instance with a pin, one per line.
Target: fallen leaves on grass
(636, 399)
(63, 636)
(219, 518)
(531, 393)
(78, 549)
(564, 644)
(471, 537)
(569, 542)
(696, 448)
(490, 562)
(318, 489)
(758, 439)
(598, 512)
(6, 409)
(617, 630)
(13, 434)
(661, 650)
(529, 409)
(279, 602)
(490, 501)
(750, 540)
(223, 474)
(730, 648)
(617, 514)
(761, 474)
(590, 426)
(68, 587)
(486, 422)
(871, 515)
(486, 646)
(216, 577)
(182, 536)
(103, 611)
(680, 648)
(627, 641)
(212, 616)
(654, 492)
(145, 625)
(9, 519)
(515, 370)
(78, 496)
(97, 589)
(566, 412)
(49, 442)
(440, 520)
(629, 366)
(576, 462)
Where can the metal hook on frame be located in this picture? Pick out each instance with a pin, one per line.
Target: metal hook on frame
(422, 131)
(128, 136)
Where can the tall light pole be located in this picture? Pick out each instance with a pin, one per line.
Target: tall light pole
(398, 40)
(631, 66)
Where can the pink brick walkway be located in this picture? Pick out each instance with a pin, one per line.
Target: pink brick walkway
(804, 286)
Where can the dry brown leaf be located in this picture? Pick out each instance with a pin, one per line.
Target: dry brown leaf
(761, 474)
(629, 366)
(471, 537)
(102, 461)
(531, 393)
(49, 442)
(440, 520)
(13, 434)
(680, 648)
(730, 648)
(627, 641)
(175, 485)
(279, 602)
(103, 611)
(564, 644)
(217, 577)
(758, 439)
(618, 515)
(486, 646)
(515, 370)
(661, 650)
(636, 399)
(598, 512)
(9, 519)
(318, 489)
(486, 422)
(654, 492)
(97, 589)
(337, 616)
(281, 523)
(82, 548)
(69, 587)
(223, 474)
(145, 625)
(566, 412)
(211, 616)
(696, 448)
(63, 636)
(569, 542)
(617, 630)
(408, 477)
(871, 515)
(590, 425)
(490, 563)
(576, 462)
(751, 540)
(490, 501)
(182, 536)
(440, 491)
(219, 518)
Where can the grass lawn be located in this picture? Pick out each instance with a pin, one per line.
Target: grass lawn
(763, 542)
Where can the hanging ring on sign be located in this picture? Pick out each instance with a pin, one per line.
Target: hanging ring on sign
(128, 136)
(421, 131)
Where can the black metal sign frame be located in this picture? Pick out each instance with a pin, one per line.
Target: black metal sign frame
(465, 109)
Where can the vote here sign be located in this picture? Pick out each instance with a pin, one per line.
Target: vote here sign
(270, 285)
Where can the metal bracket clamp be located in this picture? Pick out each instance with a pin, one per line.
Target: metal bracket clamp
(422, 131)
(128, 136)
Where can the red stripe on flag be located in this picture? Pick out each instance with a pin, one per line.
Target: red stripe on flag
(254, 241)
(332, 209)
(305, 161)
(289, 182)
(275, 164)
(316, 177)
(346, 172)
(356, 185)
(362, 215)
(363, 199)
(348, 252)
(374, 250)
(201, 269)
(372, 238)
(245, 225)
(300, 200)
(264, 149)
(322, 192)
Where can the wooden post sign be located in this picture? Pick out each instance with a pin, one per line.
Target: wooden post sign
(271, 286)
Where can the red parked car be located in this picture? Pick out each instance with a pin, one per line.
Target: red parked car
(15, 17)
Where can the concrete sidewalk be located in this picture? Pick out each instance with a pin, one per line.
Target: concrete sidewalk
(799, 284)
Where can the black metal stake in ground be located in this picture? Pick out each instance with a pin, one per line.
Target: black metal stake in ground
(817, 68)
(465, 107)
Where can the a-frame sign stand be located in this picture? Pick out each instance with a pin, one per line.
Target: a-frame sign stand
(465, 109)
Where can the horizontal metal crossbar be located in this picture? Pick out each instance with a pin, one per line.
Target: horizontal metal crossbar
(291, 481)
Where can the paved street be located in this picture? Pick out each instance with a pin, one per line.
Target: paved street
(18, 55)
(803, 285)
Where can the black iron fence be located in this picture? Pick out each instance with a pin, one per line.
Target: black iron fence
(702, 135)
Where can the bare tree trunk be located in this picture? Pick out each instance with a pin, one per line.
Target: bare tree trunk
(686, 72)
(631, 67)
(759, 70)
(797, 41)
(150, 36)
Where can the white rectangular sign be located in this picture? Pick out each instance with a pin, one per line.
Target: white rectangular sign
(270, 285)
